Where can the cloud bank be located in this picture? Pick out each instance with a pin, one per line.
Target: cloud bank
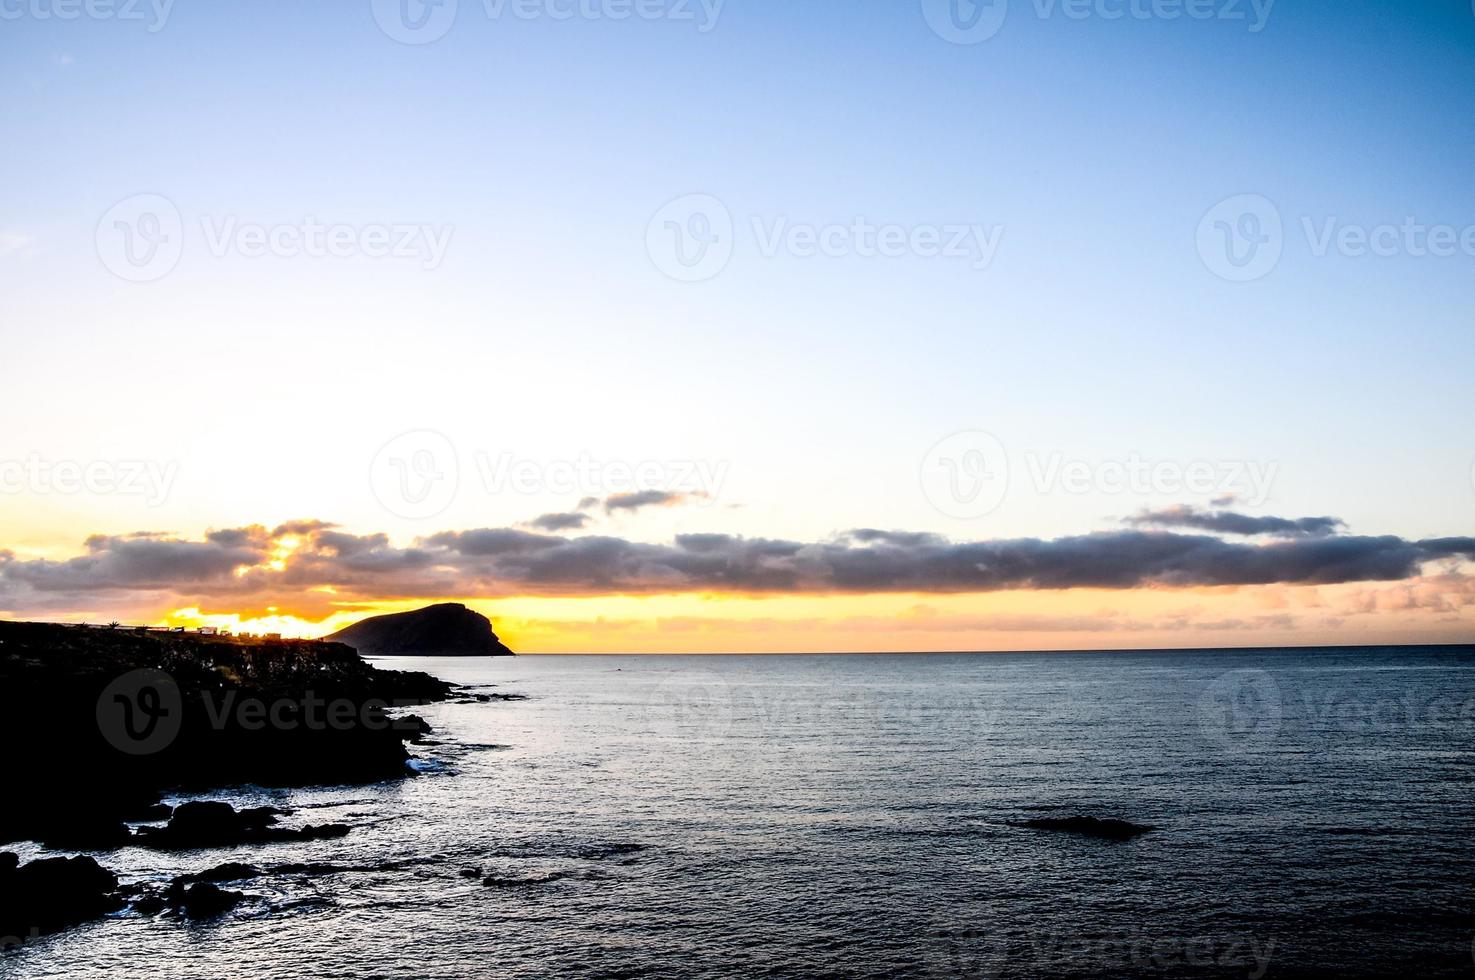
(314, 563)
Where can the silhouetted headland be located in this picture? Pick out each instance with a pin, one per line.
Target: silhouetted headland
(445, 630)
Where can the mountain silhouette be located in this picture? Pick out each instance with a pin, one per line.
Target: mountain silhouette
(445, 630)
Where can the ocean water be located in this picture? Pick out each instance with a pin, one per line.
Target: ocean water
(846, 816)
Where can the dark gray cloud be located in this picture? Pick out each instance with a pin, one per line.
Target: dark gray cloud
(1229, 522)
(641, 499)
(561, 522)
(245, 565)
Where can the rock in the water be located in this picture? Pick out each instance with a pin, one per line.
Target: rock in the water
(232, 871)
(1106, 829)
(214, 824)
(48, 895)
(445, 630)
(204, 900)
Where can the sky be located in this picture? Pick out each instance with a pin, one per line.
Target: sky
(929, 325)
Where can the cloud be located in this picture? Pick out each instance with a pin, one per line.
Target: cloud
(561, 522)
(302, 560)
(1229, 522)
(642, 499)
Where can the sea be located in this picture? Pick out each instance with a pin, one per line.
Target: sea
(863, 816)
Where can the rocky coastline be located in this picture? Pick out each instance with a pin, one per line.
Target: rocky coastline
(109, 721)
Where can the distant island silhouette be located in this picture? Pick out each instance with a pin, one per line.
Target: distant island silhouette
(445, 630)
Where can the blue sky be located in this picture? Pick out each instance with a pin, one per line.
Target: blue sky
(545, 146)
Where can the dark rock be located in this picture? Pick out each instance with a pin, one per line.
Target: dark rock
(215, 824)
(470, 872)
(87, 831)
(413, 727)
(150, 904)
(493, 881)
(49, 895)
(445, 630)
(1106, 829)
(204, 900)
(232, 871)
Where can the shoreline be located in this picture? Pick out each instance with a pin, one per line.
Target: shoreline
(118, 719)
